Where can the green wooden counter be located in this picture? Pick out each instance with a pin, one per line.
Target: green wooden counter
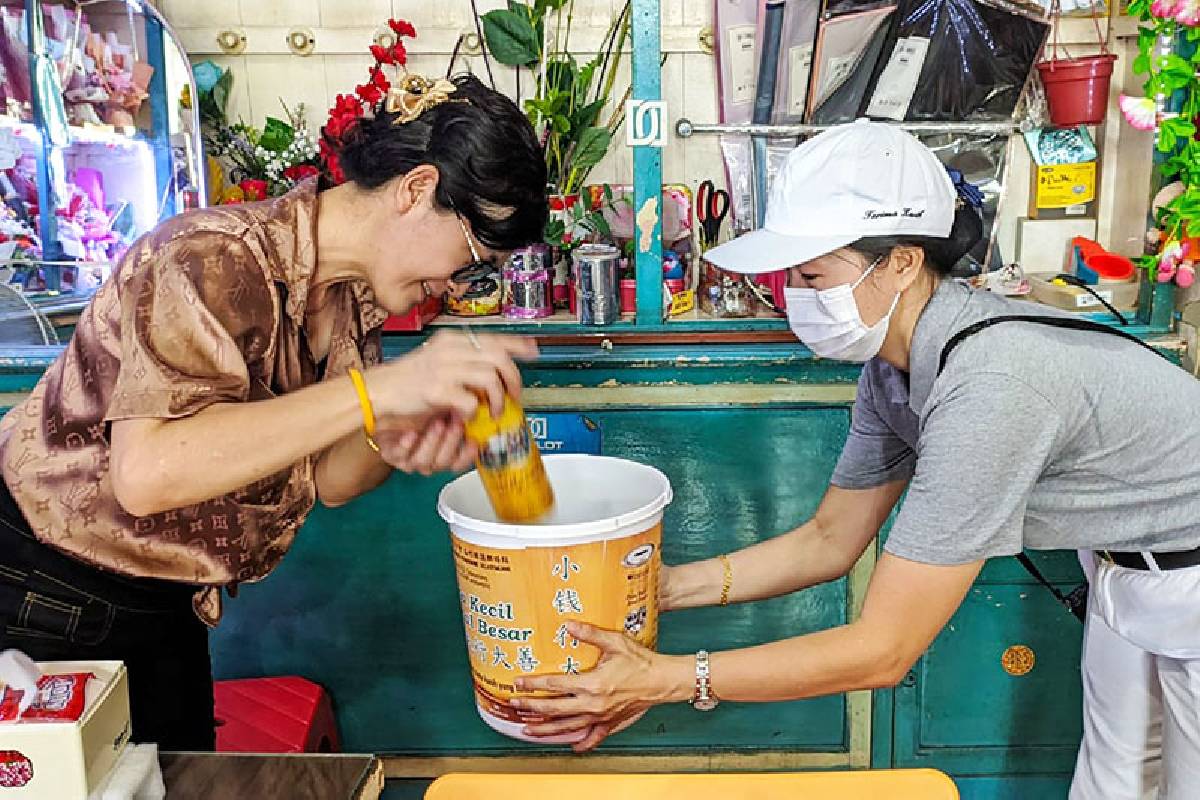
(366, 603)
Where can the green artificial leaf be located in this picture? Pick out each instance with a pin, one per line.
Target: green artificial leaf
(1146, 38)
(585, 116)
(602, 226)
(221, 90)
(277, 135)
(554, 231)
(1141, 64)
(583, 85)
(559, 123)
(1176, 67)
(1166, 141)
(511, 37)
(608, 194)
(1139, 8)
(590, 149)
(560, 78)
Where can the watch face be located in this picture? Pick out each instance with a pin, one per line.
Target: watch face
(705, 705)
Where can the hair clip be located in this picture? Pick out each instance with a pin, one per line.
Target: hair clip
(413, 95)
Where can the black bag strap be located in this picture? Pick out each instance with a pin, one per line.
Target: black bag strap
(1073, 603)
(1053, 322)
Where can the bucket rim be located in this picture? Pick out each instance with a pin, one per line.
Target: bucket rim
(533, 533)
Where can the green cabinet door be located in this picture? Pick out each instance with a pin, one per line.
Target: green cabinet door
(366, 602)
(998, 691)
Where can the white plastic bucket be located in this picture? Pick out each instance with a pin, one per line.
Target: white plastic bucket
(595, 558)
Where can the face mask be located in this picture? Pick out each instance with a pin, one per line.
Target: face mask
(828, 322)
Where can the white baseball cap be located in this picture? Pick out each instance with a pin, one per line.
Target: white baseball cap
(856, 180)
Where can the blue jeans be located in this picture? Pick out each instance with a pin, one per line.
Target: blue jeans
(56, 608)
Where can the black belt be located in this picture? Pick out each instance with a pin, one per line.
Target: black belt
(1165, 561)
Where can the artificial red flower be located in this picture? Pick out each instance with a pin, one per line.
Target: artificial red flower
(374, 90)
(383, 55)
(343, 116)
(333, 165)
(300, 172)
(399, 54)
(402, 28)
(255, 190)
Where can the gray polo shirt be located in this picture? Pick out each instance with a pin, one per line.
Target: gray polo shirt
(1032, 436)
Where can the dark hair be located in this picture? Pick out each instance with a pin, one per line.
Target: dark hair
(941, 254)
(491, 167)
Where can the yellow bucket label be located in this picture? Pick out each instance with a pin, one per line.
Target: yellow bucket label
(516, 603)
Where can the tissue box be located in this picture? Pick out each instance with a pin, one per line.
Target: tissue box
(68, 760)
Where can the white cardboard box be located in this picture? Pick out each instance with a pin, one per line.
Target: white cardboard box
(1044, 245)
(70, 759)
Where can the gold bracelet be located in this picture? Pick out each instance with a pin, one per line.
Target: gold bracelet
(728, 582)
(364, 401)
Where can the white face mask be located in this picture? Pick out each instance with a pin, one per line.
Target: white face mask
(828, 322)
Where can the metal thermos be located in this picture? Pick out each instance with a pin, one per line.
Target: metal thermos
(596, 270)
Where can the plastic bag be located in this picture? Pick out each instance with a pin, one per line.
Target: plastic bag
(737, 57)
(846, 51)
(982, 159)
(739, 174)
(972, 59)
(14, 56)
(796, 45)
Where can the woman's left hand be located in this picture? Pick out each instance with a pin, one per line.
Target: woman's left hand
(627, 680)
(438, 447)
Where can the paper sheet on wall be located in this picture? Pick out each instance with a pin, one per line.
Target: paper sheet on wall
(799, 69)
(742, 64)
(894, 91)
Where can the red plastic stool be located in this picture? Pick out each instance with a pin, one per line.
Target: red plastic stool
(274, 715)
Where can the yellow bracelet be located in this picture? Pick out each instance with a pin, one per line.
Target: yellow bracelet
(728, 582)
(364, 400)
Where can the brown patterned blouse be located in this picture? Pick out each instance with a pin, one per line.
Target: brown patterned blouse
(207, 308)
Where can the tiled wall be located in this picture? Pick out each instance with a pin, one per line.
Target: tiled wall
(267, 71)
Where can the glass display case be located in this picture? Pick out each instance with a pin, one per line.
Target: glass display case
(98, 141)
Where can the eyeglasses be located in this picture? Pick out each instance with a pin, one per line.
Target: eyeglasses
(478, 269)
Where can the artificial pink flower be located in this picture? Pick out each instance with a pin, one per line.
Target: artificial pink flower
(1164, 9)
(1169, 260)
(1139, 112)
(1186, 275)
(1187, 12)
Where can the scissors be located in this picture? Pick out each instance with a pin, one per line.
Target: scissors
(712, 206)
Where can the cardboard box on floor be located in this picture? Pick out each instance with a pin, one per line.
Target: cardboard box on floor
(70, 759)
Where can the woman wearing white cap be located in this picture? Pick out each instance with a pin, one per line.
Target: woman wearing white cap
(1029, 434)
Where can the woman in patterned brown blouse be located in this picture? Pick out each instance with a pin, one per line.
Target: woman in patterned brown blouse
(204, 403)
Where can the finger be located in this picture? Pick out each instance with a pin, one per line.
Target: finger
(607, 641)
(554, 707)
(556, 684)
(482, 376)
(466, 457)
(557, 727)
(425, 454)
(449, 446)
(520, 347)
(595, 736)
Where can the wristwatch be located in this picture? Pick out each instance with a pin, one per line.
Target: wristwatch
(703, 699)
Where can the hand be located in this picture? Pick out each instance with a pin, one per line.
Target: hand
(443, 375)
(440, 447)
(627, 680)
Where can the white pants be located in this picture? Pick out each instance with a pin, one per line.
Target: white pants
(1141, 685)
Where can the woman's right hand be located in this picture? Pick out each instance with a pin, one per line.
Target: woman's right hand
(444, 375)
